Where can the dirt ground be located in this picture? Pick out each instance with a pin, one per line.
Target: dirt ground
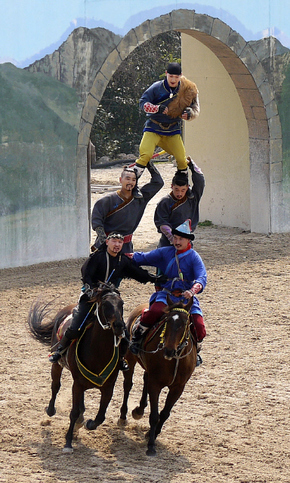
(232, 422)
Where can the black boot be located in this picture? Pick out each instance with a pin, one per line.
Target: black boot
(137, 338)
(123, 366)
(123, 347)
(198, 349)
(64, 344)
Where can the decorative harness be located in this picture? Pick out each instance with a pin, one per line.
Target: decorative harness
(99, 379)
(181, 346)
(185, 337)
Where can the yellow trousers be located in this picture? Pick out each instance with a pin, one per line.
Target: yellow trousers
(171, 144)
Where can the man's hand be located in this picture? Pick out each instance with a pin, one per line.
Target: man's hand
(186, 115)
(193, 166)
(196, 288)
(163, 109)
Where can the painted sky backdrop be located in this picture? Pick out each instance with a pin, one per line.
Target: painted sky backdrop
(30, 29)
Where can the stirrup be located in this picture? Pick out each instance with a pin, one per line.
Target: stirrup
(198, 360)
(123, 366)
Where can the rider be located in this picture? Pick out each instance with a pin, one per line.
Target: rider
(107, 264)
(186, 276)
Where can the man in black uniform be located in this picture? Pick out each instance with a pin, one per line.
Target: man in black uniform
(106, 264)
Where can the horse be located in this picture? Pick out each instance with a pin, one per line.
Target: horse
(93, 359)
(168, 357)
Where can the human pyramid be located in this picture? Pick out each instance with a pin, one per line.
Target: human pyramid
(180, 270)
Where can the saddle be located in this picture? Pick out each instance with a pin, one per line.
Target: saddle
(63, 326)
(149, 335)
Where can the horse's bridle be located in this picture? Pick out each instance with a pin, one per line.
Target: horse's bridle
(107, 324)
(185, 336)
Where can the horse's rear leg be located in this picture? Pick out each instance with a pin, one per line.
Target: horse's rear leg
(56, 371)
(172, 396)
(138, 412)
(127, 386)
(106, 396)
(76, 415)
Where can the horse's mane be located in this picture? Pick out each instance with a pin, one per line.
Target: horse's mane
(177, 305)
(102, 289)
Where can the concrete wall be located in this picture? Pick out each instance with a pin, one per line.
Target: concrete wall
(218, 140)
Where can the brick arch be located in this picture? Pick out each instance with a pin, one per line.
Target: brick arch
(253, 88)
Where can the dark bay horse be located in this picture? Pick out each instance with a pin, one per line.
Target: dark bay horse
(93, 360)
(168, 359)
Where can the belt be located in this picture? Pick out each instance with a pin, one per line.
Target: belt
(164, 125)
(127, 238)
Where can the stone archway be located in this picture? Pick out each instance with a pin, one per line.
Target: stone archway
(252, 86)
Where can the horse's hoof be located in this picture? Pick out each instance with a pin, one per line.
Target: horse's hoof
(122, 423)
(137, 414)
(68, 450)
(151, 452)
(90, 425)
(50, 412)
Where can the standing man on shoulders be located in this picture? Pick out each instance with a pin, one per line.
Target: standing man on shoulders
(122, 211)
(177, 206)
(166, 103)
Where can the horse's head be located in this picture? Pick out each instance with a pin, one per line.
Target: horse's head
(109, 308)
(176, 327)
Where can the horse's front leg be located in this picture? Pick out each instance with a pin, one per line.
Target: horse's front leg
(127, 386)
(56, 371)
(154, 392)
(75, 415)
(172, 396)
(106, 396)
(138, 412)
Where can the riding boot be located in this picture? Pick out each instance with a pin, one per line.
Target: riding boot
(61, 348)
(139, 169)
(198, 349)
(123, 347)
(137, 337)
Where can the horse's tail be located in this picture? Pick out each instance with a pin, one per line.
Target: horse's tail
(41, 331)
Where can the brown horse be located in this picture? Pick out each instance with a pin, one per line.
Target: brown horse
(168, 357)
(93, 360)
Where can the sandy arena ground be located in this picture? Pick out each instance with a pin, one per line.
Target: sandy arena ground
(232, 422)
